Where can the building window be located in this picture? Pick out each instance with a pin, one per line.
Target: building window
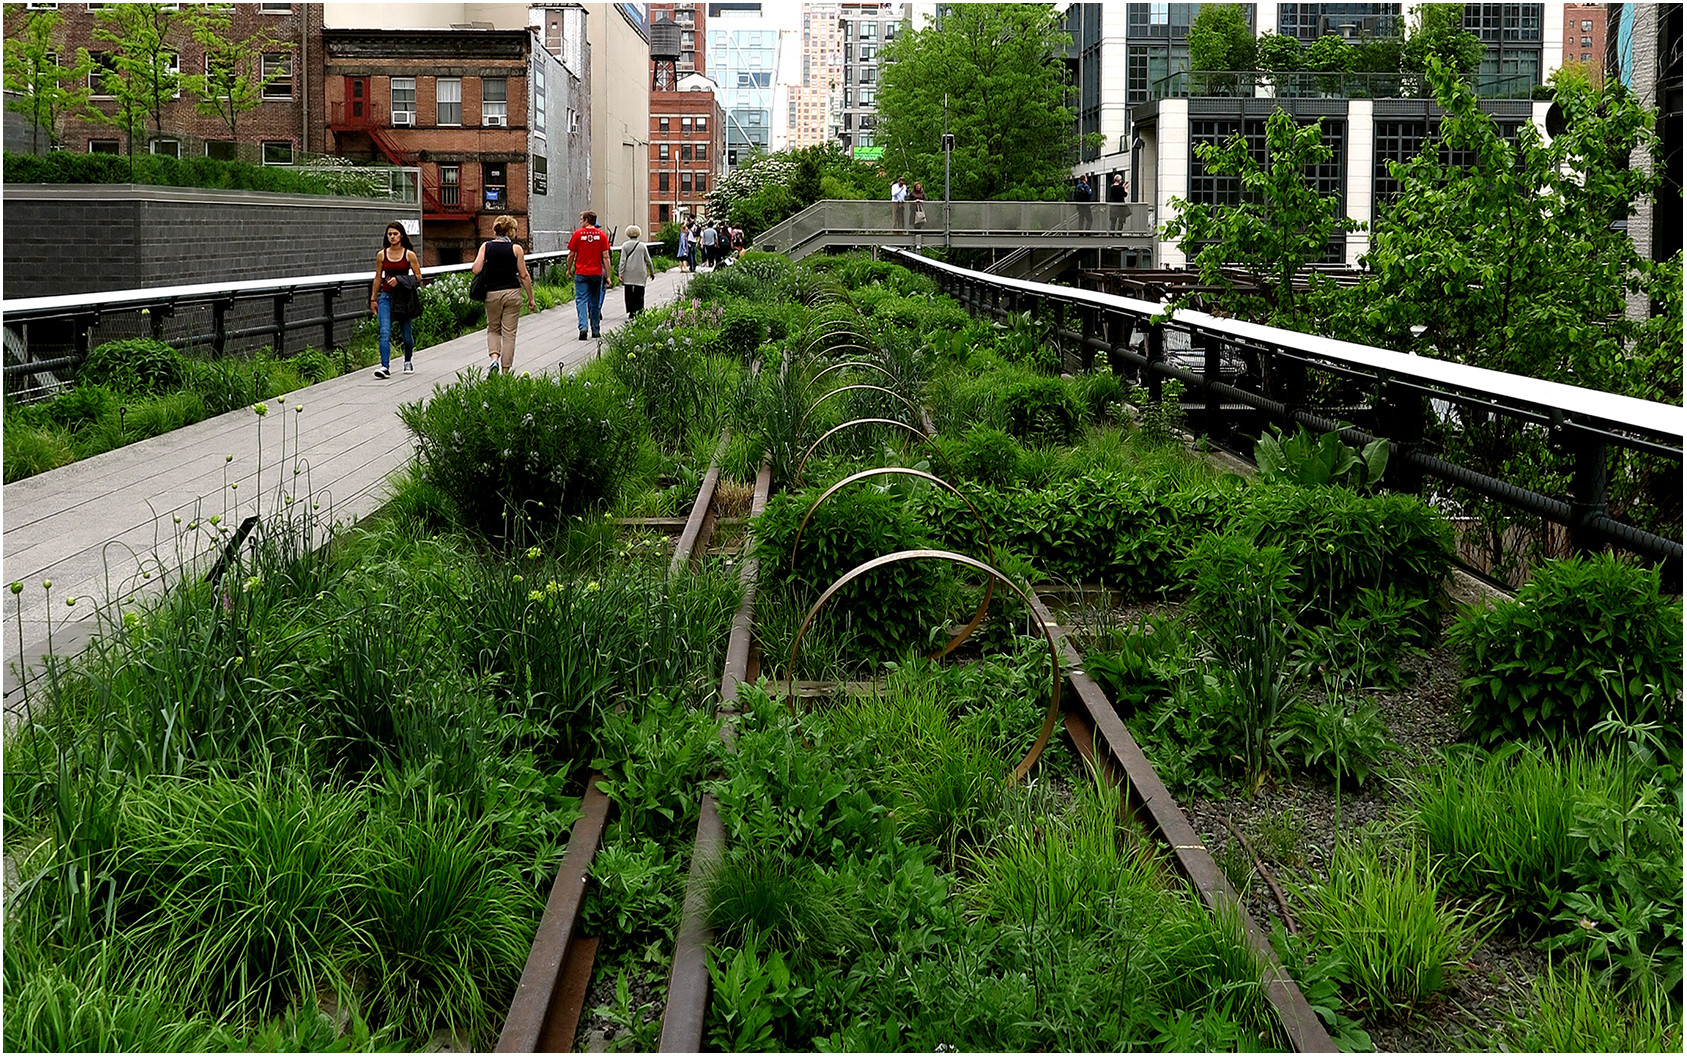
(275, 9)
(279, 66)
(685, 183)
(493, 176)
(662, 125)
(450, 184)
(869, 31)
(664, 213)
(685, 124)
(105, 65)
(573, 122)
(685, 152)
(541, 174)
(170, 148)
(220, 149)
(449, 93)
(278, 152)
(1586, 57)
(539, 98)
(662, 182)
(702, 124)
(702, 181)
(1587, 25)
(1587, 42)
(104, 146)
(495, 100)
(702, 150)
(404, 100)
(867, 96)
(661, 152)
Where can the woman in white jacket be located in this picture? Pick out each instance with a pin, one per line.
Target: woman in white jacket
(635, 270)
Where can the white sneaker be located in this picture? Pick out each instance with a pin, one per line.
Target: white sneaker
(382, 372)
(409, 368)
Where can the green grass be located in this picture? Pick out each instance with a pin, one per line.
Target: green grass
(1574, 1011)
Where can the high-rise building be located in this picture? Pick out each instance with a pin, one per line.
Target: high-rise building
(867, 26)
(809, 100)
(743, 57)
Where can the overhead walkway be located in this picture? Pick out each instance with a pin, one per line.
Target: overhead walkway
(1009, 226)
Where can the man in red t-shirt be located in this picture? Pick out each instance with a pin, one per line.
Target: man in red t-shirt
(588, 254)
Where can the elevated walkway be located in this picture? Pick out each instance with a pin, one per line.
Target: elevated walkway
(1044, 226)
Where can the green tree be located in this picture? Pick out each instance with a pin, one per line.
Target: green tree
(1220, 39)
(1278, 52)
(1438, 34)
(38, 85)
(145, 64)
(1279, 224)
(233, 82)
(999, 67)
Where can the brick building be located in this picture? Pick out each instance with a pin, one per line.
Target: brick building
(687, 150)
(452, 103)
(274, 132)
(1584, 36)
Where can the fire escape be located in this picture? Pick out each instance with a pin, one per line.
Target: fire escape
(355, 117)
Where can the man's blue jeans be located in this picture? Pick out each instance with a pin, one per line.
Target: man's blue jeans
(588, 301)
(383, 313)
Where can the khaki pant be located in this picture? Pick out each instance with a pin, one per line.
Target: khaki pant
(503, 308)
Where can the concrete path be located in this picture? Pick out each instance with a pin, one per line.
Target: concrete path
(95, 527)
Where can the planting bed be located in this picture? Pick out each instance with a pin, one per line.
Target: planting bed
(563, 662)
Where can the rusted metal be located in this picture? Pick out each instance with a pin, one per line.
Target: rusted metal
(1049, 717)
(531, 1021)
(700, 507)
(1155, 805)
(562, 1023)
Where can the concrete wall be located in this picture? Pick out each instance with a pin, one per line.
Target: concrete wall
(69, 239)
(620, 147)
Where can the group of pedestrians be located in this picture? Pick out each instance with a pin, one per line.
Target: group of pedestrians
(704, 244)
(501, 262)
(900, 197)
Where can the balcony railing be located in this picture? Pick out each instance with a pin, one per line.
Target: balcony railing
(1312, 84)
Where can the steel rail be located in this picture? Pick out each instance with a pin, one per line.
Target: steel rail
(544, 1014)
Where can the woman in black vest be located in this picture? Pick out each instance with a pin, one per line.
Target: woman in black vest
(504, 264)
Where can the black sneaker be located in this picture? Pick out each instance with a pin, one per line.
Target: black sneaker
(382, 372)
(582, 335)
(595, 334)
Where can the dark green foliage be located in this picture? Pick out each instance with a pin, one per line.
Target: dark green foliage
(1369, 638)
(743, 330)
(651, 759)
(1585, 638)
(525, 449)
(68, 167)
(134, 365)
(1100, 392)
(1303, 460)
(1330, 740)
(988, 456)
(78, 408)
(221, 384)
(314, 365)
(893, 609)
(1042, 411)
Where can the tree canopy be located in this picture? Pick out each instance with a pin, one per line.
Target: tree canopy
(38, 85)
(999, 67)
(1220, 39)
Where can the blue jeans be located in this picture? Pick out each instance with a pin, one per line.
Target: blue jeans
(406, 334)
(588, 301)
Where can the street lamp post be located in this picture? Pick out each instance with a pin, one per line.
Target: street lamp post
(948, 149)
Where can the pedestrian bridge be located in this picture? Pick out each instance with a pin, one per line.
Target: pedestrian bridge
(841, 223)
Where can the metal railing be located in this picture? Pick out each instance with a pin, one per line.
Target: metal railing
(1402, 397)
(838, 218)
(1315, 84)
(159, 305)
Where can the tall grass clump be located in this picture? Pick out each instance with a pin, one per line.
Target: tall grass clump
(1577, 1012)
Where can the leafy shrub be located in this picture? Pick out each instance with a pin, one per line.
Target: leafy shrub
(68, 167)
(743, 330)
(1334, 741)
(1042, 411)
(1367, 641)
(533, 448)
(134, 365)
(221, 384)
(1029, 341)
(1099, 392)
(891, 609)
(80, 407)
(1305, 460)
(314, 365)
(1585, 637)
(989, 456)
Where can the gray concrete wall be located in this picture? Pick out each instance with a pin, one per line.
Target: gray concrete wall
(79, 238)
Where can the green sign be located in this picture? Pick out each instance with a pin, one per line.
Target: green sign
(867, 153)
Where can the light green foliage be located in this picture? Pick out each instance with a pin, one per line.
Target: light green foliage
(1399, 945)
(38, 83)
(1220, 39)
(1007, 103)
(134, 365)
(1438, 36)
(1336, 738)
(1585, 637)
(1276, 52)
(1303, 460)
(232, 81)
(1577, 1012)
(145, 75)
(1280, 225)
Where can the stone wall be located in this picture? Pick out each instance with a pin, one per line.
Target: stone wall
(71, 239)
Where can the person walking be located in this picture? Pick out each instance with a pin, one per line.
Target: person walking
(396, 258)
(685, 246)
(1083, 194)
(504, 263)
(898, 200)
(1115, 203)
(635, 270)
(737, 234)
(708, 236)
(588, 258)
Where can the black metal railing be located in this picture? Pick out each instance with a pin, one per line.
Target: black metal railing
(235, 320)
(1327, 385)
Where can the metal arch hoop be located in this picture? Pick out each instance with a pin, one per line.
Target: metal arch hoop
(915, 430)
(989, 585)
(912, 410)
(1049, 717)
(849, 363)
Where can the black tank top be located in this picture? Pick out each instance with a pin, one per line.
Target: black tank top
(499, 268)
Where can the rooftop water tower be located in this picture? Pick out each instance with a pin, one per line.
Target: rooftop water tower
(664, 55)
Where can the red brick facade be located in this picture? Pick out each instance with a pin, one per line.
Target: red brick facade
(276, 128)
(687, 154)
(1584, 36)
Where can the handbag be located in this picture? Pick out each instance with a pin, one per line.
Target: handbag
(919, 215)
(477, 287)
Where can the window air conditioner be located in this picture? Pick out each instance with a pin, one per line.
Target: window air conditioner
(403, 118)
(496, 119)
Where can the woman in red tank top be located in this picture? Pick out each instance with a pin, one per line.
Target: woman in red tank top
(395, 259)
